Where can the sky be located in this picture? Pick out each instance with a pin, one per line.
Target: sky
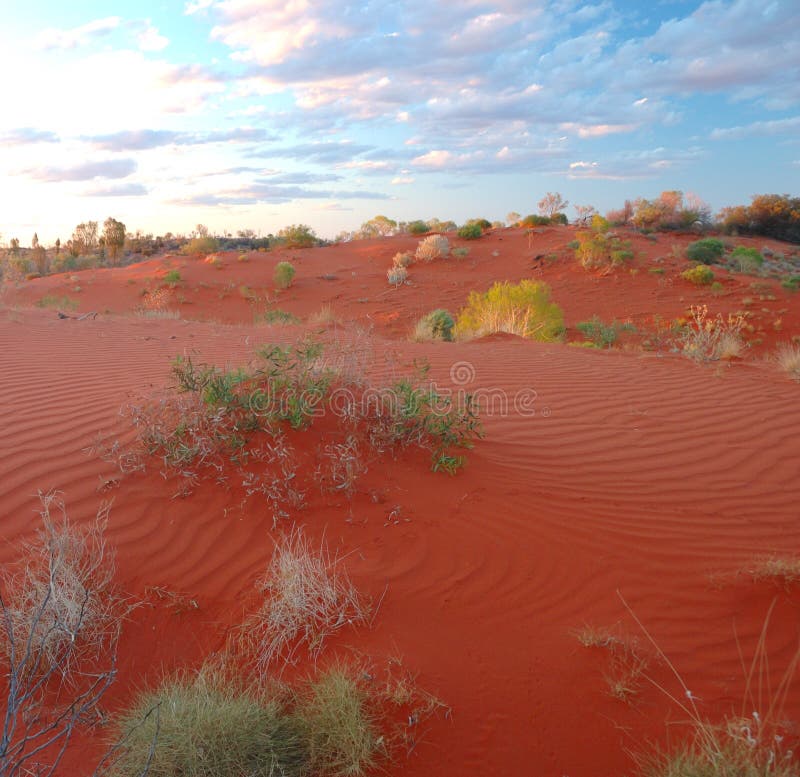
(256, 114)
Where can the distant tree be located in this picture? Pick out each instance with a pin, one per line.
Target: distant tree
(298, 236)
(84, 238)
(35, 240)
(513, 218)
(201, 230)
(14, 246)
(551, 204)
(379, 226)
(113, 238)
(622, 216)
(58, 246)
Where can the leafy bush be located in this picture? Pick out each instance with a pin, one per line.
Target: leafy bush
(524, 309)
(534, 220)
(470, 231)
(284, 275)
(706, 251)
(599, 250)
(603, 335)
(172, 277)
(700, 275)
(397, 276)
(771, 215)
(432, 247)
(559, 218)
(297, 236)
(747, 259)
(791, 282)
(436, 325)
(418, 227)
(201, 245)
(402, 259)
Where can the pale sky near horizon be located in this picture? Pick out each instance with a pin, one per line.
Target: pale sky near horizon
(262, 113)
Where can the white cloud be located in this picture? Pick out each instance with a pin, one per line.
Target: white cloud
(401, 180)
(152, 40)
(54, 38)
(758, 129)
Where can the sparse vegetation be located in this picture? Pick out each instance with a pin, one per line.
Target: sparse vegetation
(432, 247)
(603, 335)
(284, 275)
(460, 252)
(436, 325)
(172, 277)
(600, 250)
(524, 309)
(308, 597)
(747, 260)
(782, 570)
(402, 259)
(706, 338)
(297, 236)
(699, 275)
(470, 231)
(788, 358)
(201, 246)
(397, 276)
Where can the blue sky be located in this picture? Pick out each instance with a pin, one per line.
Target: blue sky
(261, 113)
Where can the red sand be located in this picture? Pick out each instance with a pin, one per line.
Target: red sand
(640, 474)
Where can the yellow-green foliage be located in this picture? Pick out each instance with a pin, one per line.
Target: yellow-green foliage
(597, 250)
(701, 275)
(523, 309)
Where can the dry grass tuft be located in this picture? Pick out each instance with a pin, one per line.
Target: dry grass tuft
(782, 570)
(309, 596)
(788, 358)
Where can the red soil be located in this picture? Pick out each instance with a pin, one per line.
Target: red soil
(639, 474)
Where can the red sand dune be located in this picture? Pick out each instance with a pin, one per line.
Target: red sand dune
(639, 474)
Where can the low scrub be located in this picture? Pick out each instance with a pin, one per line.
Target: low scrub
(788, 358)
(470, 231)
(524, 309)
(436, 325)
(201, 246)
(699, 275)
(308, 597)
(402, 259)
(432, 247)
(709, 338)
(706, 251)
(397, 276)
(284, 275)
(598, 250)
(603, 335)
(747, 260)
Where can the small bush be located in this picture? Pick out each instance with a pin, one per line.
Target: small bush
(470, 231)
(706, 251)
(402, 259)
(418, 227)
(700, 275)
(397, 276)
(297, 236)
(284, 275)
(276, 316)
(533, 220)
(172, 277)
(343, 733)
(460, 252)
(601, 250)
(791, 282)
(201, 246)
(709, 339)
(436, 325)
(211, 723)
(432, 247)
(747, 259)
(524, 309)
(309, 596)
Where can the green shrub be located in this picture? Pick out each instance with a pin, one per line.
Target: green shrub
(747, 259)
(600, 224)
(201, 245)
(524, 309)
(601, 250)
(172, 277)
(210, 724)
(534, 220)
(418, 227)
(436, 325)
(470, 231)
(559, 218)
(700, 275)
(284, 275)
(603, 335)
(706, 251)
(460, 252)
(276, 316)
(297, 236)
(791, 282)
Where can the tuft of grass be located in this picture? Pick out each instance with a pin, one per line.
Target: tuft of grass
(603, 335)
(402, 259)
(397, 276)
(276, 316)
(344, 738)
(210, 723)
(706, 338)
(432, 247)
(460, 252)
(325, 316)
(308, 597)
(788, 358)
(172, 277)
